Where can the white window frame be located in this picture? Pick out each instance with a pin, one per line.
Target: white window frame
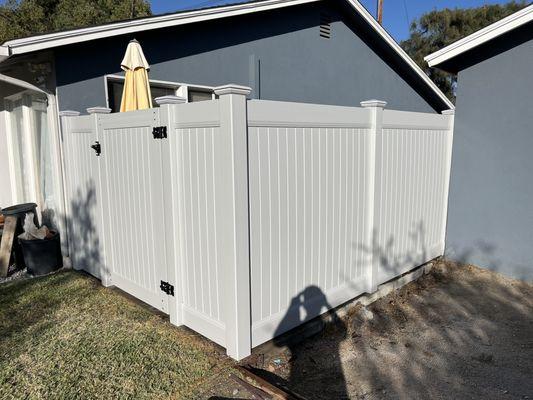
(181, 89)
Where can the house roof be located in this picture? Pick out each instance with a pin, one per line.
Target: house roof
(63, 38)
(481, 37)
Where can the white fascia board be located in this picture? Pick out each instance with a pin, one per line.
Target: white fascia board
(482, 36)
(4, 53)
(42, 42)
(46, 41)
(396, 47)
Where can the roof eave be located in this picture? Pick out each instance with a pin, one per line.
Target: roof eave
(480, 37)
(49, 40)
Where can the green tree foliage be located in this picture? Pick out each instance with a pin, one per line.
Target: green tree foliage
(19, 18)
(437, 29)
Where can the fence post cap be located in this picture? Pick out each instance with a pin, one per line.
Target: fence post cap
(69, 113)
(373, 103)
(98, 110)
(170, 99)
(233, 89)
(448, 112)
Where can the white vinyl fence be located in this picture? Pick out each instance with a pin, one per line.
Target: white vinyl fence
(242, 219)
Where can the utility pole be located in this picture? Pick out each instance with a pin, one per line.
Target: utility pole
(380, 12)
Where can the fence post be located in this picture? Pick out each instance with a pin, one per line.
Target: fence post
(374, 189)
(172, 231)
(63, 117)
(64, 120)
(449, 147)
(167, 100)
(95, 111)
(232, 217)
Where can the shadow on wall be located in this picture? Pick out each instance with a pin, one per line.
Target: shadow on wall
(487, 255)
(268, 24)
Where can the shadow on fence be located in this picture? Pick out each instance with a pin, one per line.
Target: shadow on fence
(390, 262)
(84, 239)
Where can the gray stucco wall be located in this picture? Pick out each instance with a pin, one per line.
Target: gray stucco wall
(490, 219)
(279, 54)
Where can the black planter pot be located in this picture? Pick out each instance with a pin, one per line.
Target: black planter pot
(19, 211)
(42, 256)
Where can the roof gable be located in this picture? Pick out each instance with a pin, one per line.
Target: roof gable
(57, 39)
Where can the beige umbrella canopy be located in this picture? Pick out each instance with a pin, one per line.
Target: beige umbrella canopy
(136, 94)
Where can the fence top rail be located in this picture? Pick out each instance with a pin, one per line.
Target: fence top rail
(394, 119)
(265, 113)
(201, 114)
(79, 123)
(129, 119)
(186, 115)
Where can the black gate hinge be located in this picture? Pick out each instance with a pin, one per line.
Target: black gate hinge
(167, 288)
(97, 148)
(159, 132)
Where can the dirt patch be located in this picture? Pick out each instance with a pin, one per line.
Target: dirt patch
(458, 332)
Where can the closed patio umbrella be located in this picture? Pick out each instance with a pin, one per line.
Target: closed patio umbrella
(136, 94)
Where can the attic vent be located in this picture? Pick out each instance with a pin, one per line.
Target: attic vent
(325, 26)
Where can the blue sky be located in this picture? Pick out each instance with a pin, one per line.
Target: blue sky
(396, 13)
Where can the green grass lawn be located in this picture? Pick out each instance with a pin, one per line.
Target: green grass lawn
(65, 336)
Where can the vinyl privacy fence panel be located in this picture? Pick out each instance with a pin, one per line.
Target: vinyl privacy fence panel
(411, 192)
(259, 215)
(309, 196)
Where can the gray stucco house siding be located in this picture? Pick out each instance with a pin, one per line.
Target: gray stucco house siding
(490, 216)
(279, 53)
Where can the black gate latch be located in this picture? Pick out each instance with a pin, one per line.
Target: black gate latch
(159, 132)
(96, 147)
(167, 288)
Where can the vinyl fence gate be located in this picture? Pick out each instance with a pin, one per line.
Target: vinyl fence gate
(242, 219)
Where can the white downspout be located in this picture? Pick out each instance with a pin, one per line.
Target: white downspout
(53, 125)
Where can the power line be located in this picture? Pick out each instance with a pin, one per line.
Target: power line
(208, 3)
(406, 14)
